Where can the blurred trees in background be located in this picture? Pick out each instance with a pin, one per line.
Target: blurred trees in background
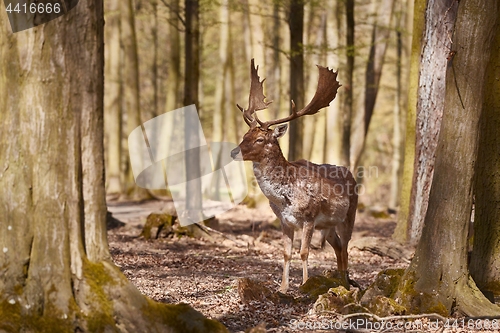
(287, 39)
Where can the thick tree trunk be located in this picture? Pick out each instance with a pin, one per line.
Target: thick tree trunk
(112, 99)
(440, 16)
(485, 260)
(296, 24)
(401, 233)
(437, 279)
(56, 273)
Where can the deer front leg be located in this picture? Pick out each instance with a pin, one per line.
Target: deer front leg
(287, 255)
(307, 232)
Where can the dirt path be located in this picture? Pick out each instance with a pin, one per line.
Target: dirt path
(204, 273)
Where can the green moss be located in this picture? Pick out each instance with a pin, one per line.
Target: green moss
(419, 302)
(387, 281)
(160, 221)
(52, 321)
(337, 299)
(181, 318)
(97, 278)
(318, 285)
(383, 306)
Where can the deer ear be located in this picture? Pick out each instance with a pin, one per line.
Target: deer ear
(280, 130)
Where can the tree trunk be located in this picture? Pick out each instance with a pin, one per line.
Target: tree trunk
(348, 88)
(174, 58)
(113, 100)
(402, 53)
(296, 24)
(56, 270)
(437, 279)
(191, 82)
(485, 260)
(333, 124)
(130, 92)
(315, 127)
(401, 233)
(440, 16)
(154, 66)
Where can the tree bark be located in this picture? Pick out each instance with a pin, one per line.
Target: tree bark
(113, 100)
(174, 58)
(402, 14)
(437, 279)
(348, 88)
(296, 25)
(440, 16)
(485, 260)
(56, 273)
(401, 233)
(191, 82)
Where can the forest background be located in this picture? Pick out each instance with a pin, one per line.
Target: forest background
(369, 46)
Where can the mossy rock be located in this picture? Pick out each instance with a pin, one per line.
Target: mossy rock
(340, 300)
(385, 284)
(161, 221)
(384, 306)
(319, 285)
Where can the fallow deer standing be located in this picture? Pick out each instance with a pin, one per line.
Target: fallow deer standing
(301, 194)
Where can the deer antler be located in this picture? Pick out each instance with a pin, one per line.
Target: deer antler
(325, 93)
(255, 99)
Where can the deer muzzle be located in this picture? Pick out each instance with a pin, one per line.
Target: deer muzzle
(236, 154)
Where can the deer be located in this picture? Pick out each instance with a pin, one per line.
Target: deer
(302, 194)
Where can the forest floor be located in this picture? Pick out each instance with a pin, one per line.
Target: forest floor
(204, 272)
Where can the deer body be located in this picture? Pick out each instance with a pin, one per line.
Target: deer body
(303, 195)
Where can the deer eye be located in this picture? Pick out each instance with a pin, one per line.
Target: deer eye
(259, 140)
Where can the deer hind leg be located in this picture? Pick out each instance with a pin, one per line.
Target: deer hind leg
(341, 252)
(307, 232)
(287, 255)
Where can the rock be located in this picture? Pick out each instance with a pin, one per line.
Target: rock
(338, 300)
(160, 221)
(384, 306)
(318, 285)
(385, 284)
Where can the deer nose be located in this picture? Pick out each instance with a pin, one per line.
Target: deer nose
(236, 154)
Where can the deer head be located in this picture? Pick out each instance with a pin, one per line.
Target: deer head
(261, 140)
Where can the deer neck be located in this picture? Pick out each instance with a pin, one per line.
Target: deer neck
(271, 173)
